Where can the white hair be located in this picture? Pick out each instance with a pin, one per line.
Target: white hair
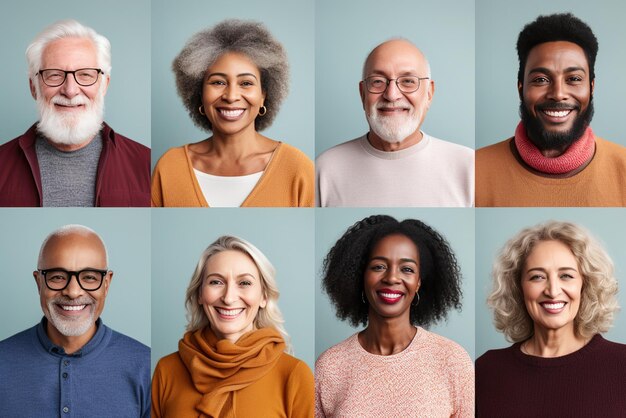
(67, 29)
(398, 38)
(72, 229)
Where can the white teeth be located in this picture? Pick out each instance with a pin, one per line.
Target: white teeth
(390, 295)
(231, 113)
(73, 307)
(553, 305)
(557, 113)
(229, 312)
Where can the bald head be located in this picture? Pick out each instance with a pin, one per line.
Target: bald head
(400, 52)
(74, 236)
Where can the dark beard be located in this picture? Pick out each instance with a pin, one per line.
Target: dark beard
(559, 141)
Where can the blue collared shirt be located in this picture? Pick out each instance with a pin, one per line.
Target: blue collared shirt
(108, 377)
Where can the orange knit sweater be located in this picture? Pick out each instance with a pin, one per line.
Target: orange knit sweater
(502, 181)
(288, 181)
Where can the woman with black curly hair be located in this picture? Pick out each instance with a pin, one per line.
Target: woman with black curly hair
(392, 276)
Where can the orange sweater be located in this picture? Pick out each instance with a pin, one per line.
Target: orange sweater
(287, 391)
(288, 181)
(502, 181)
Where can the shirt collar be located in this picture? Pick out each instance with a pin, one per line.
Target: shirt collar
(54, 349)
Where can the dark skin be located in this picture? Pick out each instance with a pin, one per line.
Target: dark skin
(556, 87)
(390, 284)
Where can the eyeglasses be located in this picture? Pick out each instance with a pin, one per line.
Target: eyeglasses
(88, 279)
(84, 77)
(406, 84)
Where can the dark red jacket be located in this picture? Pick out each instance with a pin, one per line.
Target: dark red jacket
(123, 177)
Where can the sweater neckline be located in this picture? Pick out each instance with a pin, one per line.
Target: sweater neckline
(93, 345)
(392, 357)
(395, 155)
(570, 359)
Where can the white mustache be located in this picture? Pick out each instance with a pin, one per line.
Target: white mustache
(75, 101)
(394, 105)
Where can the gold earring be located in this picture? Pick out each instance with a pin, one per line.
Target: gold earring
(201, 110)
(264, 109)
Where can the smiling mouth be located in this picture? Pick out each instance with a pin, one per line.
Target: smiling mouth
(231, 114)
(229, 313)
(557, 113)
(553, 307)
(389, 297)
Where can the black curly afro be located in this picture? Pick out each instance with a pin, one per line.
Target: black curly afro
(556, 27)
(344, 270)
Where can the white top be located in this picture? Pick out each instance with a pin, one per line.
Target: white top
(226, 192)
(431, 173)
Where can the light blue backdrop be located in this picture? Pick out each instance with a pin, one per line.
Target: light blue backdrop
(498, 24)
(173, 23)
(496, 226)
(457, 225)
(127, 26)
(285, 236)
(126, 233)
(346, 31)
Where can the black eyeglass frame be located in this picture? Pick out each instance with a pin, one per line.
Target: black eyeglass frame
(389, 80)
(45, 272)
(65, 73)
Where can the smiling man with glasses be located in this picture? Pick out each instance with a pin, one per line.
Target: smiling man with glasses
(71, 364)
(70, 157)
(396, 164)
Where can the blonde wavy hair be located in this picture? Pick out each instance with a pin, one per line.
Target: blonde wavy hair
(270, 316)
(598, 302)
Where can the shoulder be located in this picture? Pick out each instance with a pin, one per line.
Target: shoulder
(449, 351)
(497, 148)
(131, 347)
(450, 147)
(340, 152)
(295, 369)
(10, 146)
(126, 144)
(497, 356)
(173, 157)
(170, 364)
(613, 150)
(18, 341)
(612, 349)
(293, 157)
(339, 354)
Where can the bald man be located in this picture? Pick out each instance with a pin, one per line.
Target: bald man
(71, 364)
(395, 163)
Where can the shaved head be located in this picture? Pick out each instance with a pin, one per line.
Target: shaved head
(395, 46)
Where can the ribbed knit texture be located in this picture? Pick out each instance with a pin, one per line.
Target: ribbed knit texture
(288, 181)
(501, 180)
(251, 378)
(590, 382)
(574, 157)
(433, 377)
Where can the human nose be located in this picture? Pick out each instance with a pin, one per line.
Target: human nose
(70, 87)
(392, 92)
(553, 287)
(73, 289)
(391, 276)
(231, 93)
(230, 294)
(557, 90)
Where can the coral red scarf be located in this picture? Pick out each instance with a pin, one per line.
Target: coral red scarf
(574, 157)
(219, 368)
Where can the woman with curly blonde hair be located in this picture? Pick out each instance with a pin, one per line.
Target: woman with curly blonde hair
(554, 293)
(234, 360)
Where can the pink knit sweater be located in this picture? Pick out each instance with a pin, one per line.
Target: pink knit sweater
(433, 377)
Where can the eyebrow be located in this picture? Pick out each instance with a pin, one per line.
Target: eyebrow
(238, 75)
(237, 277)
(541, 269)
(403, 260)
(548, 71)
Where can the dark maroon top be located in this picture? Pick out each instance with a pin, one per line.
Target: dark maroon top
(590, 382)
(123, 177)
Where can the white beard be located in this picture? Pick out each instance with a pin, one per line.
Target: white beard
(393, 129)
(71, 129)
(71, 327)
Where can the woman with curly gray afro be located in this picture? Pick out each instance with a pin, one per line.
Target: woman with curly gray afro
(554, 293)
(232, 78)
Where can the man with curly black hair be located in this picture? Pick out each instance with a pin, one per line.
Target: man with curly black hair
(554, 159)
(391, 277)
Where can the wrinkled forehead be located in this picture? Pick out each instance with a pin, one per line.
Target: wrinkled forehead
(396, 58)
(74, 251)
(70, 53)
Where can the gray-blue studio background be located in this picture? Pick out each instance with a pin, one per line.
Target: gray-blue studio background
(285, 236)
(346, 31)
(456, 225)
(498, 24)
(127, 26)
(173, 23)
(494, 227)
(126, 233)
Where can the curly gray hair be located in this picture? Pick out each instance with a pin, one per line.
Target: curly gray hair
(246, 37)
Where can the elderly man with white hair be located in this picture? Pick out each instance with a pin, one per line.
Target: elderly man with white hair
(71, 364)
(70, 157)
(396, 163)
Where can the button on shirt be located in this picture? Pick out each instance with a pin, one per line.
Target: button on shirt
(108, 377)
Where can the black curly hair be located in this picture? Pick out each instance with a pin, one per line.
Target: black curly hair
(556, 27)
(344, 270)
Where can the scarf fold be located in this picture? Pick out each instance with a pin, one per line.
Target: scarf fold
(218, 368)
(574, 157)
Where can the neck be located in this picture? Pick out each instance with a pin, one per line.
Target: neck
(553, 343)
(70, 344)
(382, 145)
(387, 336)
(236, 146)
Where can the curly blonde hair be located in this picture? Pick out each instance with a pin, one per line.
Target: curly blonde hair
(270, 316)
(598, 302)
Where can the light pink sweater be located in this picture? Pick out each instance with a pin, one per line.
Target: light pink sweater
(433, 377)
